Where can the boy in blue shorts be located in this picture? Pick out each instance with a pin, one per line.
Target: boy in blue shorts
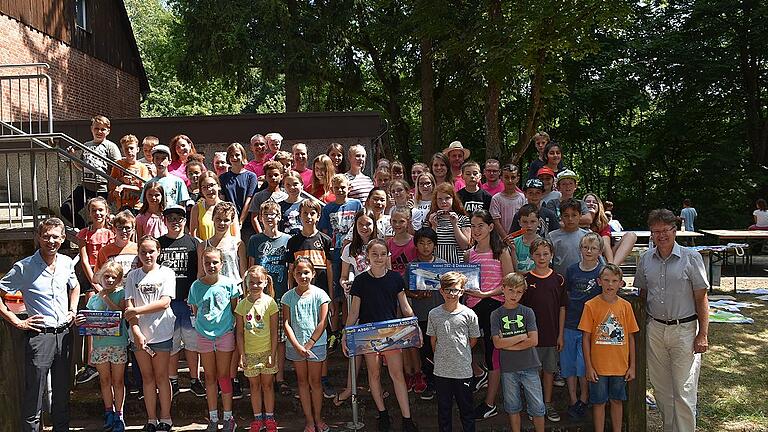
(609, 324)
(515, 336)
(581, 286)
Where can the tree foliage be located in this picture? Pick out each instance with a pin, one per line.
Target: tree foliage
(652, 101)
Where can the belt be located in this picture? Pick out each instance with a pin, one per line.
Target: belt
(54, 330)
(677, 321)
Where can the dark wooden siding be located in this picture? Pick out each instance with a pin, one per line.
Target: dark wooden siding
(109, 36)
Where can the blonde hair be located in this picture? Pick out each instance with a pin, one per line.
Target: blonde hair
(128, 139)
(453, 279)
(259, 270)
(236, 146)
(338, 179)
(514, 280)
(101, 120)
(402, 210)
(110, 266)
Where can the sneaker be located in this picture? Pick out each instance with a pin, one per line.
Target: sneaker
(552, 414)
(582, 410)
(237, 390)
(480, 381)
(484, 411)
(383, 422)
(86, 374)
(140, 396)
(174, 388)
(109, 421)
(163, 427)
(149, 427)
(271, 424)
(229, 425)
(419, 383)
(428, 393)
(212, 426)
(558, 380)
(575, 411)
(197, 388)
(328, 391)
(118, 425)
(409, 425)
(322, 427)
(256, 426)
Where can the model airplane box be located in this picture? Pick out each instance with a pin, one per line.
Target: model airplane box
(101, 323)
(426, 276)
(383, 336)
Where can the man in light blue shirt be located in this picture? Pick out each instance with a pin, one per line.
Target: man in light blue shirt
(688, 215)
(51, 292)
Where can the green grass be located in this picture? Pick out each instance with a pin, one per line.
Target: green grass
(733, 386)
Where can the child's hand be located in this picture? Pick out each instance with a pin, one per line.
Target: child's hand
(139, 340)
(303, 351)
(591, 374)
(560, 343)
(79, 319)
(344, 343)
(271, 361)
(630, 375)
(433, 220)
(130, 313)
(453, 217)
(346, 286)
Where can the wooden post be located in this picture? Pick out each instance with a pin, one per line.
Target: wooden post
(12, 376)
(634, 410)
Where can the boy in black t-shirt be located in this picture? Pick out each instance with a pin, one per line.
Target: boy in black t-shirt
(178, 252)
(473, 197)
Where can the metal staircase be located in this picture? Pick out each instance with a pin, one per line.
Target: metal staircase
(36, 168)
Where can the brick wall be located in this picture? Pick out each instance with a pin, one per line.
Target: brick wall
(82, 86)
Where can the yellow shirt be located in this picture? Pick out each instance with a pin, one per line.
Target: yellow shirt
(256, 320)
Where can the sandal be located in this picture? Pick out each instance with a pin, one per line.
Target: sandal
(337, 401)
(309, 428)
(322, 427)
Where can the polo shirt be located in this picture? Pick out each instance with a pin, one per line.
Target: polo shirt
(45, 293)
(670, 281)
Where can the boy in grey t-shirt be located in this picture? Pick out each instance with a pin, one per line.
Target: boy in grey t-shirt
(453, 329)
(515, 335)
(567, 239)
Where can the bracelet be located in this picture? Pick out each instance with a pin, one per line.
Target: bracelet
(313, 341)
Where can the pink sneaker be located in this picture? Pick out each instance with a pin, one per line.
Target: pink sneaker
(256, 426)
(419, 383)
(270, 424)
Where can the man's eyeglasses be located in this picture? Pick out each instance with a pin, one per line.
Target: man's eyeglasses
(664, 231)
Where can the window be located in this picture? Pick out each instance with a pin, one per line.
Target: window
(80, 14)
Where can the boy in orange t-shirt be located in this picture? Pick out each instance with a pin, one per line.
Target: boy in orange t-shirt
(609, 351)
(126, 195)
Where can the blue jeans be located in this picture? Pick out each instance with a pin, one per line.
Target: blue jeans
(531, 383)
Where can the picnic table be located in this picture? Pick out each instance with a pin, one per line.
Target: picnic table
(737, 249)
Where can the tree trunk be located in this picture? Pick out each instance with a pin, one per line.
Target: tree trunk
(757, 126)
(537, 81)
(492, 124)
(428, 115)
(292, 95)
(493, 95)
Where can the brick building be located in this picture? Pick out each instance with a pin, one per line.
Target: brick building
(89, 44)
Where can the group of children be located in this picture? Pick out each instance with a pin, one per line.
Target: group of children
(248, 281)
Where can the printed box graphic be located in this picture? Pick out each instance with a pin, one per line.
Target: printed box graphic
(383, 336)
(101, 323)
(426, 276)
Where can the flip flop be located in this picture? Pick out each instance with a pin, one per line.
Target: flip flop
(337, 401)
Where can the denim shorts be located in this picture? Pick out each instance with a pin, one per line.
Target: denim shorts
(572, 357)
(531, 383)
(184, 335)
(164, 346)
(292, 355)
(607, 388)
